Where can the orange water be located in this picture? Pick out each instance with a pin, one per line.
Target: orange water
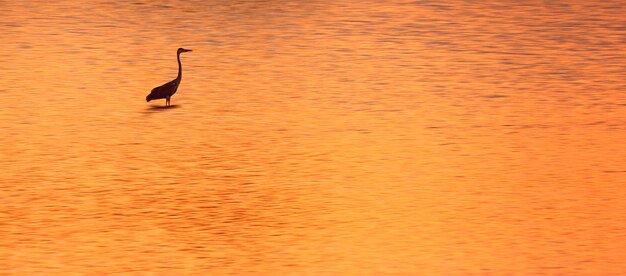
(313, 137)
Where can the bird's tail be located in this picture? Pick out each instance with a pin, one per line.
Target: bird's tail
(149, 97)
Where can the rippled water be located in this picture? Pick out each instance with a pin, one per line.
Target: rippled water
(313, 137)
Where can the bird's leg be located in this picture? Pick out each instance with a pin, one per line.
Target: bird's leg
(167, 101)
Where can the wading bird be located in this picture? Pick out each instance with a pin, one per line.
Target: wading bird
(167, 90)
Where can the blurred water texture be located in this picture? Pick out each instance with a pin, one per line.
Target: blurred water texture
(313, 137)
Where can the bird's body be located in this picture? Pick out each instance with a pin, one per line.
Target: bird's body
(167, 90)
(164, 91)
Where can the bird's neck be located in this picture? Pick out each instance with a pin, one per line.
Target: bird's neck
(180, 67)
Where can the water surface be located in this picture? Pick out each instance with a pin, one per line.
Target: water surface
(313, 137)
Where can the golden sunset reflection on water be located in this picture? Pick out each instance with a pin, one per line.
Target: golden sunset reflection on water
(313, 138)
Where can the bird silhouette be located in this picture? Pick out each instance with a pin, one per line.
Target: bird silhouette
(167, 90)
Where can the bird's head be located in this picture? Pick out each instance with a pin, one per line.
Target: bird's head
(181, 50)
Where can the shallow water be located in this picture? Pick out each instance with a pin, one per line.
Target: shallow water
(313, 137)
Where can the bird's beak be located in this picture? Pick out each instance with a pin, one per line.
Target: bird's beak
(185, 50)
